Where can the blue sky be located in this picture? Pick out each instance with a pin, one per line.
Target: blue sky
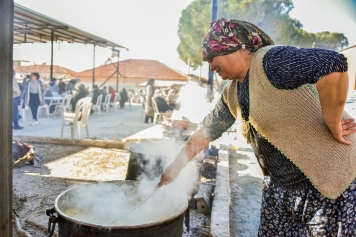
(149, 28)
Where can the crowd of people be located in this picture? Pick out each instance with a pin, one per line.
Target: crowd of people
(33, 90)
(167, 100)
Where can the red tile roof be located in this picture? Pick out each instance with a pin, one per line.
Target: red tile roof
(136, 68)
(44, 69)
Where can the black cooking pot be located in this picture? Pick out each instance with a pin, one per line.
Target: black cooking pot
(70, 202)
(145, 161)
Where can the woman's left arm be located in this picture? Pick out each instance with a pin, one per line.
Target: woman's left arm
(332, 89)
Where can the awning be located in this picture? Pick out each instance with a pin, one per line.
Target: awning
(165, 83)
(33, 27)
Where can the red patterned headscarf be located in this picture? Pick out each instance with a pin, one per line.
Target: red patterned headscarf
(227, 36)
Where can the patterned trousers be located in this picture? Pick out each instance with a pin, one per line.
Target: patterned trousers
(306, 213)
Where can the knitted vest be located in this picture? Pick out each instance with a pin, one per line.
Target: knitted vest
(292, 121)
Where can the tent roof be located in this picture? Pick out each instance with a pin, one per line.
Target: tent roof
(165, 83)
(33, 27)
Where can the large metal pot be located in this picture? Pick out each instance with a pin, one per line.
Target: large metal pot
(148, 158)
(71, 224)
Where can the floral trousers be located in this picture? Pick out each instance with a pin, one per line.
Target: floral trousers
(306, 213)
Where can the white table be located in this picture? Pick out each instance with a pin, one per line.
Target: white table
(54, 100)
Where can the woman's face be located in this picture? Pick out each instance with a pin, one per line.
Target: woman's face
(232, 66)
(33, 77)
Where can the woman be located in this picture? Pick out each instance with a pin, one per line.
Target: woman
(291, 105)
(33, 95)
(82, 93)
(112, 92)
(123, 98)
(150, 89)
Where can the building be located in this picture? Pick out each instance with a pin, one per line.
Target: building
(132, 72)
(43, 69)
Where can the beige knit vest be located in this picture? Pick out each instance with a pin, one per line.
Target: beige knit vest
(292, 121)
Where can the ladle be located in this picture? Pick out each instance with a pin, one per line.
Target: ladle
(156, 188)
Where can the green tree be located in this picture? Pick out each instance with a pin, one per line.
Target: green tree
(272, 16)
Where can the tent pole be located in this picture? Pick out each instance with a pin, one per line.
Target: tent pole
(6, 74)
(93, 81)
(52, 38)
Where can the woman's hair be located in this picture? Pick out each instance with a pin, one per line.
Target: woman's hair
(150, 81)
(110, 88)
(81, 87)
(36, 75)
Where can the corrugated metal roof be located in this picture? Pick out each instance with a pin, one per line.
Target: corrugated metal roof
(33, 27)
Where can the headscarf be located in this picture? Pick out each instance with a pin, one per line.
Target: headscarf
(227, 36)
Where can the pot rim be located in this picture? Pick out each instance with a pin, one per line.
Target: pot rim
(151, 225)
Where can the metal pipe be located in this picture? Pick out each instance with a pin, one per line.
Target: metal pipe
(214, 16)
(6, 74)
(52, 38)
(117, 70)
(93, 81)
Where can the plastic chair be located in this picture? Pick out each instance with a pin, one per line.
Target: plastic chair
(45, 107)
(157, 115)
(79, 120)
(143, 102)
(97, 105)
(24, 110)
(106, 102)
(114, 103)
(64, 106)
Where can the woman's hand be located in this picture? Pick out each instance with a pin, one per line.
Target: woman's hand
(346, 127)
(168, 175)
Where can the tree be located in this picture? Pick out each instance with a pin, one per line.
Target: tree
(272, 16)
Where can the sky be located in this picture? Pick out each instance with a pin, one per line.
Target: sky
(149, 28)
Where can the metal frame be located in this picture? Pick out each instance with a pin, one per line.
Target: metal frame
(33, 27)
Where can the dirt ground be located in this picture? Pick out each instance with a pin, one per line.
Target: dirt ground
(58, 168)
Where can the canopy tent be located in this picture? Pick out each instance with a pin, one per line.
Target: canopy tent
(165, 83)
(33, 27)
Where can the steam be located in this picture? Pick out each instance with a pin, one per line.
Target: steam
(103, 203)
(194, 104)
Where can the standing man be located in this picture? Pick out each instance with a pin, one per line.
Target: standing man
(15, 102)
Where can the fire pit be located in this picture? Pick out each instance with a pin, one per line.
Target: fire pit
(93, 210)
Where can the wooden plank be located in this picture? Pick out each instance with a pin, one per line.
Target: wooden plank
(204, 198)
(6, 40)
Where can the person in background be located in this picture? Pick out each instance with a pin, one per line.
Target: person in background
(48, 93)
(53, 87)
(96, 93)
(112, 92)
(161, 102)
(150, 89)
(82, 93)
(61, 87)
(33, 95)
(71, 85)
(16, 94)
(104, 91)
(123, 98)
(290, 104)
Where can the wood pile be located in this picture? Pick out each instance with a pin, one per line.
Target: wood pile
(22, 152)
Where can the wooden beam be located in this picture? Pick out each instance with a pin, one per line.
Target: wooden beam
(6, 44)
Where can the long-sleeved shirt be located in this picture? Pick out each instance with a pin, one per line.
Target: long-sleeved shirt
(15, 89)
(287, 68)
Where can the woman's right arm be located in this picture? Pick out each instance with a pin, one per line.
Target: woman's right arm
(211, 128)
